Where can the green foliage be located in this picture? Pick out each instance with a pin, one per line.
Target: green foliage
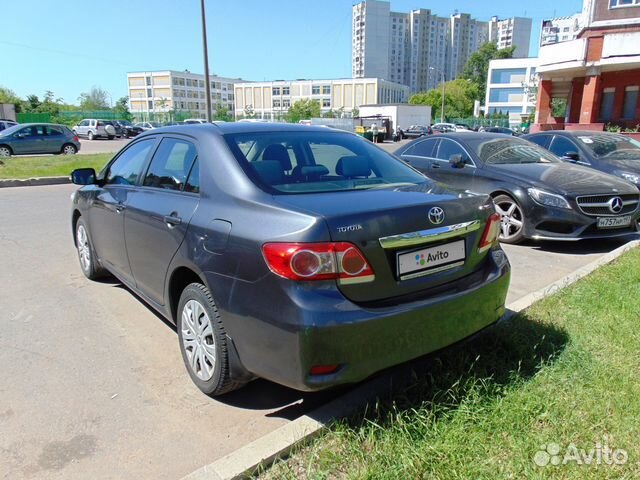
(459, 97)
(477, 67)
(94, 99)
(222, 113)
(121, 109)
(303, 110)
(558, 107)
(9, 96)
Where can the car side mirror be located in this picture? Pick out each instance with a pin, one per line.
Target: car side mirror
(457, 160)
(571, 156)
(83, 176)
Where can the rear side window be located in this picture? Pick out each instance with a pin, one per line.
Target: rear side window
(422, 149)
(542, 140)
(54, 131)
(193, 182)
(126, 169)
(171, 164)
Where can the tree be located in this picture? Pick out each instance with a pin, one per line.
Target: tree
(458, 98)
(33, 103)
(9, 96)
(95, 99)
(477, 67)
(222, 113)
(304, 109)
(121, 109)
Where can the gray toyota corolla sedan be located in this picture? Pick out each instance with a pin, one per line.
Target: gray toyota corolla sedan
(303, 255)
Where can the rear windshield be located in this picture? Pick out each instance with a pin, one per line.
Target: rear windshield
(605, 146)
(311, 162)
(500, 151)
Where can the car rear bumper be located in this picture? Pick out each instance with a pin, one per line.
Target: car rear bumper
(306, 326)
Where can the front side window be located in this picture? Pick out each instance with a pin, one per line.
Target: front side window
(610, 146)
(312, 162)
(171, 164)
(561, 146)
(126, 169)
(502, 151)
(449, 148)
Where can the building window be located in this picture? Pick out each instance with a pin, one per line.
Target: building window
(630, 103)
(149, 94)
(326, 89)
(148, 80)
(315, 90)
(606, 107)
(623, 3)
(509, 75)
(275, 90)
(286, 103)
(326, 103)
(276, 104)
(285, 91)
(150, 104)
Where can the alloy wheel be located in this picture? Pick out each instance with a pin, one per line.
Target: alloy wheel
(5, 152)
(69, 150)
(198, 340)
(511, 219)
(84, 250)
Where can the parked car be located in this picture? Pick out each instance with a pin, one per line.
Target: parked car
(148, 125)
(537, 195)
(32, 138)
(116, 126)
(303, 255)
(4, 124)
(443, 128)
(503, 130)
(608, 152)
(93, 128)
(191, 121)
(415, 131)
(128, 130)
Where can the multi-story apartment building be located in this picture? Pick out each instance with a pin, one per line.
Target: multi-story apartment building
(414, 48)
(269, 100)
(512, 88)
(597, 74)
(169, 90)
(515, 31)
(561, 29)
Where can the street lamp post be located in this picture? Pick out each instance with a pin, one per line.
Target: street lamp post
(443, 92)
(207, 86)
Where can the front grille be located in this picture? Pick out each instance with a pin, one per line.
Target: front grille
(598, 205)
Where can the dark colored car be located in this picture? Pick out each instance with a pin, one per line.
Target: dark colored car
(537, 195)
(504, 130)
(607, 152)
(4, 124)
(35, 138)
(415, 131)
(303, 255)
(442, 128)
(127, 129)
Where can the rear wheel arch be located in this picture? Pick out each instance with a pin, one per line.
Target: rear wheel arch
(7, 147)
(180, 278)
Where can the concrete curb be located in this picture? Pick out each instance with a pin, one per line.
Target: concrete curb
(33, 182)
(277, 444)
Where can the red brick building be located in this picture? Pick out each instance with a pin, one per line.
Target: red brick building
(598, 74)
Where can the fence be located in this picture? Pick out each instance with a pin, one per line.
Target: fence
(33, 117)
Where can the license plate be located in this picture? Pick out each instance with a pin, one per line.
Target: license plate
(614, 222)
(431, 260)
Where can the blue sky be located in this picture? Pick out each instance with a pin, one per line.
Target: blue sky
(68, 47)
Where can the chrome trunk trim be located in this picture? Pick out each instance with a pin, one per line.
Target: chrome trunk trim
(429, 236)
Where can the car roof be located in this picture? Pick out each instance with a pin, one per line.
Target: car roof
(197, 129)
(34, 124)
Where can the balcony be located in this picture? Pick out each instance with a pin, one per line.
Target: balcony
(617, 45)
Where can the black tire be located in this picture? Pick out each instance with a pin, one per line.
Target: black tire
(69, 149)
(220, 381)
(517, 236)
(5, 151)
(91, 268)
(90, 135)
(110, 137)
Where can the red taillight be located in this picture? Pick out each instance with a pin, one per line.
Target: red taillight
(75, 138)
(323, 369)
(341, 261)
(491, 232)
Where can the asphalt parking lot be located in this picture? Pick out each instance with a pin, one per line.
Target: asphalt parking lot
(100, 145)
(93, 385)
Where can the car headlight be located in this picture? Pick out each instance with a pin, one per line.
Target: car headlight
(548, 199)
(632, 177)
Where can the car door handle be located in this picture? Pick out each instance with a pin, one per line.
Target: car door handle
(435, 165)
(172, 220)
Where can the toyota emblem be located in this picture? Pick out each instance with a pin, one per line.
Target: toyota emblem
(615, 205)
(436, 215)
